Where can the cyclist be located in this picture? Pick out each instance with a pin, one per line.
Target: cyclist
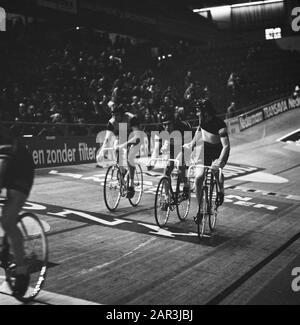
(213, 131)
(120, 116)
(175, 122)
(16, 176)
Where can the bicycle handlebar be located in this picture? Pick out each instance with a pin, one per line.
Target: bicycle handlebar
(176, 161)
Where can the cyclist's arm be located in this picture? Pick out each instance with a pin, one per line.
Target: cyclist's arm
(107, 138)
(134, 139)
(225, 147)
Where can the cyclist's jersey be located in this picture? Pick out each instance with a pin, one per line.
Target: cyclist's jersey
(114, 126)
(20, 171)
(212, 132)
(182, 127)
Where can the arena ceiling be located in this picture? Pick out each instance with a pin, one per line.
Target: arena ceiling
(212, 3)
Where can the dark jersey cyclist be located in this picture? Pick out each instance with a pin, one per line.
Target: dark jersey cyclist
(213, 132)
(16, 176)
(172, 122)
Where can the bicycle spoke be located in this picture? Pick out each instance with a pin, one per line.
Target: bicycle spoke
(138, 186)
(213, 213)
(112, 188)
(183, 201)
(162, 202)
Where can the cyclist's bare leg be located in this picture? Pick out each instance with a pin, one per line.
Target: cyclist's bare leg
(131, 174)
(182, 169)
(10, 213)
(168, 172)
(155, 153)
(199, 185)
(119, 152)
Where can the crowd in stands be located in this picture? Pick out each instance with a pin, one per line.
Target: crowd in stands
(76, 76)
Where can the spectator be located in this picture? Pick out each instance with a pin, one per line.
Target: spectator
(296, 92)
(231, 110)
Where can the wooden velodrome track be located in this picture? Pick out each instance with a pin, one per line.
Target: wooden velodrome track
(122, 258)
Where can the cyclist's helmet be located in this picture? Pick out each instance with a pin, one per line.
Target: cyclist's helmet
(134, 121)
(207, 106)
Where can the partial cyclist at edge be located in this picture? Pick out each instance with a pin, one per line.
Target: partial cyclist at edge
(172, 121)
(16, 176)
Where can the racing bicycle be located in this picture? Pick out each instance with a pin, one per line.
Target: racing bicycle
(116, 185)
(209, 204)
(167, 199)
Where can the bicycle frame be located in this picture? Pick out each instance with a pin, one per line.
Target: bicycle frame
(176, 161)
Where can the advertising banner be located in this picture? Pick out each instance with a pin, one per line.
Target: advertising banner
(61, 151)
(233, 125)
(281, 106)
(249, 119)
(293, 102)
(75, 150)
(275, 108)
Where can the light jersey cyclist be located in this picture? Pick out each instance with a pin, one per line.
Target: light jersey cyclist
(113, 125)
(171, 123)
(213, 131)
(16, 176)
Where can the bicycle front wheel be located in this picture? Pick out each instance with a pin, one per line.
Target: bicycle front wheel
(202, 219)
(138, 186)
(213, 207)
(183, 200)
(112, 188)
(162, 202)
(36, 256)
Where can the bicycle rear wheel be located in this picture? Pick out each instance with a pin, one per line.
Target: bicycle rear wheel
(112, 188)
(213, 207)
(138, 186)
(162, 202)
(202, 219)
(183, 200)
(36, 256)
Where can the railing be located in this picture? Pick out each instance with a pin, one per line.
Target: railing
(35, 129)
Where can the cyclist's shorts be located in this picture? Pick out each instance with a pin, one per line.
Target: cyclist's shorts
(211, 153)
(20, 173)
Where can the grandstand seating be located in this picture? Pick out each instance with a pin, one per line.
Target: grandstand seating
(69, 76)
